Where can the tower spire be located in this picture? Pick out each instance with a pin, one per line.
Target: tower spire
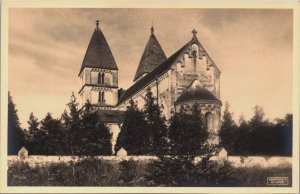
(97, 23)
(152, 29)
(98, 54)
(152, 57)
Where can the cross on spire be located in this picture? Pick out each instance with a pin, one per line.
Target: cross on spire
(194, 32)
(97, 23)
(152, 29)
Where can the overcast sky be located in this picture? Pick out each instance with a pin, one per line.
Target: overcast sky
(252, 48)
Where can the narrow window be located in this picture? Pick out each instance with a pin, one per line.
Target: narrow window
(209, 122)
(101, 97)
(102, 78)
(99, 78)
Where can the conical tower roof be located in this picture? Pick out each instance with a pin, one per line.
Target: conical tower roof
(152, 57)
(98, 54)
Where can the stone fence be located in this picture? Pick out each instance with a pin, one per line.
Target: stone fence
(237, 161)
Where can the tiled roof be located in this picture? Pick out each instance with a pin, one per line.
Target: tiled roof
(152, 57)
(162, 68)
(98, 54)
(110, 116)
(196, 92)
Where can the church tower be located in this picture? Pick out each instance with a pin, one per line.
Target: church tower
(98, 74)
(152, 57)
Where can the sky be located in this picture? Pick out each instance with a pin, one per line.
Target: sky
(253, 48)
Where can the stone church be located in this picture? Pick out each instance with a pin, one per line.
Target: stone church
(186, 77)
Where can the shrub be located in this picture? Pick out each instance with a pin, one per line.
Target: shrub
(256, 176)
(169, 171)
(21, 174)
(93, 172)
(165, 172)
(127, 170)
(175, 172)
(213, 173)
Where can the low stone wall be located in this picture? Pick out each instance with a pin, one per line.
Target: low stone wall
(41, 160)
(237, 161)
(263, 161)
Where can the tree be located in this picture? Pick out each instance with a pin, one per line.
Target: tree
(187, 136)
(53, 135)
(95, 136)
(133, 136)
(188, 139)
(287, 134)
(257, 125)
(105, 138)
(228, 131)
(33, 136)
(156, 124)
(243, 143)
(71, 124)
(284, 131)
(187, 133)
(15, 133)
(257, 121)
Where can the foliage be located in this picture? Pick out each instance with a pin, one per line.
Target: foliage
(128, 169)
(34, 137)
(75, 133)
(156, 124)
(95, 138)
(88, 172)
(188, 139)
(108, 173)
(134, 135)
(51, 136)
(256, 176)
(71, 122)
(257, 136)
(15, 133)
(209, 172)
(228, 139)
(187, 133)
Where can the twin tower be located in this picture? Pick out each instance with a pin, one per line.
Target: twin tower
(187, 77)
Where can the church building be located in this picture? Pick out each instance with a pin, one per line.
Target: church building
(186, 77)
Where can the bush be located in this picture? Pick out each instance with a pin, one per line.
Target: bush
(21, 174)
(127, 170)
(256, 176)
(213, 173)
(177, 172)
(94, 172)
(166, 172)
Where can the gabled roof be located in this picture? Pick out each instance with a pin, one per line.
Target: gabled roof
(161, 69)
(98, 54)
(196, 92)
(152, 57)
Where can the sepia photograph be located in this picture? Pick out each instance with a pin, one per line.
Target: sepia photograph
(149, 98)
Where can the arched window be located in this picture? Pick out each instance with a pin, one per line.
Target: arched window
(103, 100)
(209, 123)
(101, 97)
(101, 78)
